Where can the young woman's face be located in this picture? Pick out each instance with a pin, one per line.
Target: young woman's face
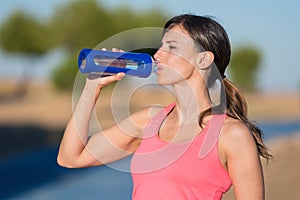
(176, 57)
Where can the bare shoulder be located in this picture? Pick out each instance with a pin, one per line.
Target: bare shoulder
(235, 129)
(145, 114)
(236, 138)
(239, 155)
(139, 119)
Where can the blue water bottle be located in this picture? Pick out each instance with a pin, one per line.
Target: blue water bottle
(108, 63)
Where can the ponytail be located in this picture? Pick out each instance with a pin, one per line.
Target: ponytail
(209, 35)
(236, 107)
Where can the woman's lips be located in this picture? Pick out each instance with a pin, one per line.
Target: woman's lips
(159, 68)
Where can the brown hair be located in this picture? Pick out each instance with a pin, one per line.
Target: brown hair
(209, 35)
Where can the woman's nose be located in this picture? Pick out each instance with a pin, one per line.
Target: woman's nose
(157, 55)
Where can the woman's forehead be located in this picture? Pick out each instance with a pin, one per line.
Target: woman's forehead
(177, 34)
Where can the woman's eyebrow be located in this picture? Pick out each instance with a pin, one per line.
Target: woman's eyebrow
(171, 41)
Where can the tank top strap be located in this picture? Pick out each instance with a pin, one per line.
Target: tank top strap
(160, 116)
(212, 135)
(154, 124)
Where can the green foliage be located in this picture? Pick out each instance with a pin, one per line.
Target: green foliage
(244, 65)
(81, 24)
(77, 25)
(124, 19)
(84, 24)
(64, 76)
(23, 34)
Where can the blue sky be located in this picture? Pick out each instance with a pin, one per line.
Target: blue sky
(272, 26)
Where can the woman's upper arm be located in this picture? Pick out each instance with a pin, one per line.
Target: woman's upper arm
(243, 161)
(116, 142)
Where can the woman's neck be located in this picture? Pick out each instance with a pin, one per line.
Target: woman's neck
(183, 121)
(192, 99)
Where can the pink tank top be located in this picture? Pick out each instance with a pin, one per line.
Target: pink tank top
(188, 170)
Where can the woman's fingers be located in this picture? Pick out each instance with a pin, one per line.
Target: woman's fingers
(113, 49)
(117, 50)
(110, 79)
(96, 83)
(103, 81)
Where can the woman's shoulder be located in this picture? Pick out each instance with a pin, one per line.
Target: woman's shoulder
(145, 114)
(236, 137)
(234, 128)
(150, 111)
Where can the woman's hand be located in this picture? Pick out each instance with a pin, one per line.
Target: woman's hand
(73, 150)
(95, 82)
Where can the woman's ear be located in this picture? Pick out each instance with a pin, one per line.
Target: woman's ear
(205, 59)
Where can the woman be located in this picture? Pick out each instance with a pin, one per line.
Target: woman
(191, 149)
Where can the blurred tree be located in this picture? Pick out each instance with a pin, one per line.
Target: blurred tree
(244, 65)
(86, 23)
(63, 76)
(78, 25)
(23, 34)
(125, 19)
(81, 24)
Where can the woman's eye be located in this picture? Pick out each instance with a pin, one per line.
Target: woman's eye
(172, 47)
